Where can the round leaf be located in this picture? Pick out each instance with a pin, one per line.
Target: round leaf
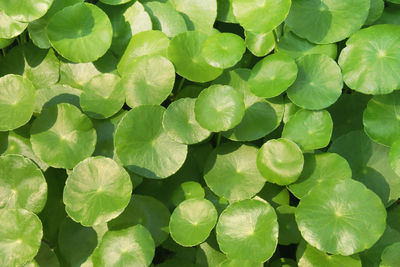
(280, 161)
(223, 50)
(141, 44)
(260, 44)
(231, 172)
(313, 257)
(149, 212)
(144, 147)
(75, 242)
(260, 16)
(180, 124)
(296, 46)
(318, 83)
(371, 59)
(17, 100)
(219, 108)
(330, 21)
(165, 18)
(391, 256)
(369, 162)
(22, 184)
(148, 80)
(20, 236)
(126, 20)
(137, 248)
(187, 190)
(25, 10)
(9, 27)
(272, 75)
(97, 190)
(192, 221)
(102, 96)
(309, 129)
(62, 136)
(256, 108)
(381, 118)
(248, 229)
(185, 51)
(319, 168)
(80, 33)
(336, 211)
(199, 15)
(288, 231)
(115, 2)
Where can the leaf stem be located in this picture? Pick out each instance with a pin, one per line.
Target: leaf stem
(219, 139)
(182, 81)
(275, 37)
(3, 51)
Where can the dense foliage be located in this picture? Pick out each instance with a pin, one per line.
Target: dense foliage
(179, 133)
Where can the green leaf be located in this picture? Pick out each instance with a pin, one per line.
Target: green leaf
(199, 15)
(56, 94)
(25, 10)
(372, 257)
(22, 184)
(144, 147)
(312, 257)
(219, 108)
(187, 190)
(41, 66)
(330, 21)
(248, 229)
(381, 119)
(126, 21)
(391, 256)
(148, 80)
(137, 248)
(280, 161)
(340, 210)
(347, 113)
(309, 129)
(390, 15)
(318, 84)
(103, 96)
(97, 191)
(231, 172)
(9, 27)
(260, 16)
(257, 109)
(17, 100)
(165, 18)
(319, 168)
(272, 75)
(375, 11)
(223, 50)
(239, 263)
(80, 33)
(369, 162)
(20, 236)
(115, 2)
(62, 136)
(297, 47)
(260, 44)
(46, 257)
(288, 231)
(370, 60)
(149, 212)
(141, 44)
(225, 11)
(180, 124)
(185, 51)
(75, 242)
(192, 221)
